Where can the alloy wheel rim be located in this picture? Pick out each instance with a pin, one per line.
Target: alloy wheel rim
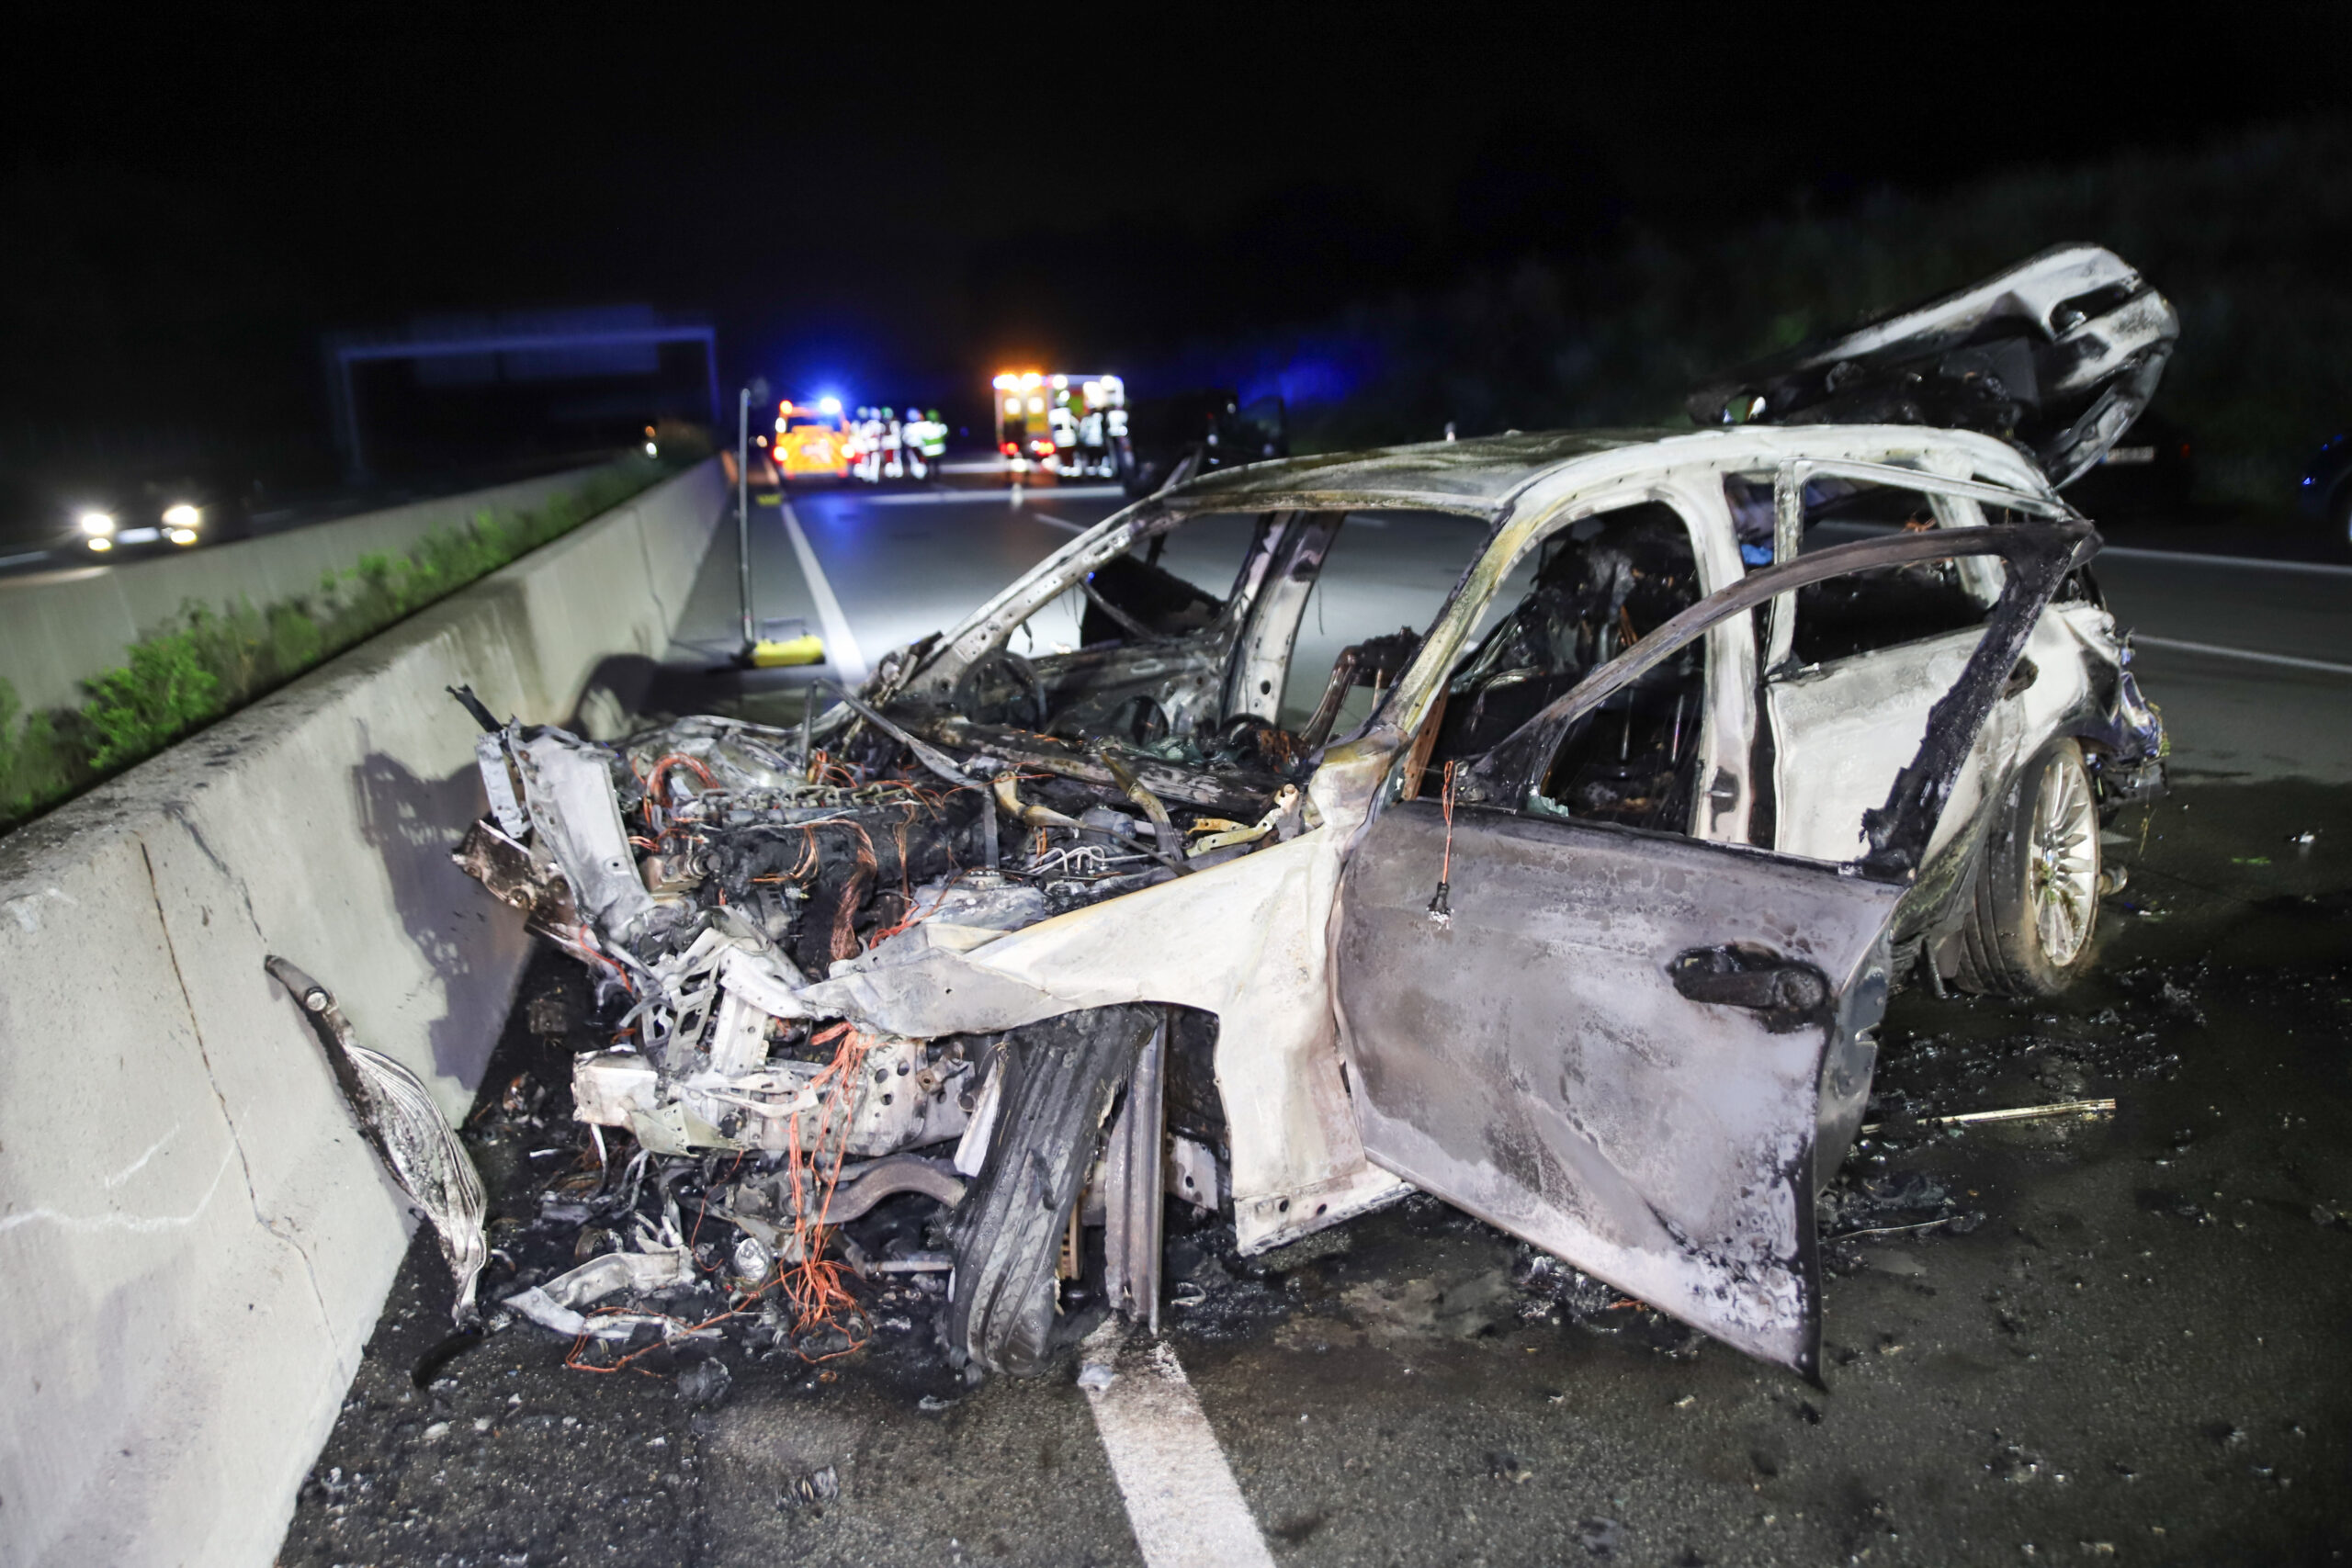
(2064, 875)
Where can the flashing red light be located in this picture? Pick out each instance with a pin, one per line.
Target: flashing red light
(1042, 449)
(1011, 449)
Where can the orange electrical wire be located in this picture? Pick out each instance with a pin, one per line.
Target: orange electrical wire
(1445, 803)
(1441, 903)
(587, 950)
(653, 779)
(814, 1285)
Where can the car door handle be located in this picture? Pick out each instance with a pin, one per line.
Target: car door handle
(2024, 675)
(1749, 977)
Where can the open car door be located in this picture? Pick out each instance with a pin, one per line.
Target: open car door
(1619, 1044)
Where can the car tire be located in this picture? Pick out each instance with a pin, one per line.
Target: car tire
(1060, 1077)
(2033, 910)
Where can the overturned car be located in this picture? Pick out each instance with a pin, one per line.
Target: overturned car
(1576, 907)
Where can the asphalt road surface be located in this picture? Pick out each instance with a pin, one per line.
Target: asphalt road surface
(2116, 1339)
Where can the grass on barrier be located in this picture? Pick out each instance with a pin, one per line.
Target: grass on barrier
(209, 662)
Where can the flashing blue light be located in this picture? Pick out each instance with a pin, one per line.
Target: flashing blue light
(829, 405)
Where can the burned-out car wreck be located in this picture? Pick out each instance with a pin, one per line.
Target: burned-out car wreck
(1575, 907)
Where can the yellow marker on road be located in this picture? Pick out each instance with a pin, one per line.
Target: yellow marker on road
(803, 649)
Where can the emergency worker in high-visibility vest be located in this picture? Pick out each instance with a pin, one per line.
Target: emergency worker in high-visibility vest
(869, 445)
(1091, 450)
(1062, 420)
(911, 446)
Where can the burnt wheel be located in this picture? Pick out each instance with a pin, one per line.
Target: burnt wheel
(2035, 906)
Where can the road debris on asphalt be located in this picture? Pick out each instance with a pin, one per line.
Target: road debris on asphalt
(812, 1490)
(2008, 1113)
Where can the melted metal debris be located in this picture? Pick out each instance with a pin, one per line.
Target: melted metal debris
(397, 1114)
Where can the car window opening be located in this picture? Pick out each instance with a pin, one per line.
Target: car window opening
(1134, 654)
(1383, 584)
(1889, 606)
(1599, 586)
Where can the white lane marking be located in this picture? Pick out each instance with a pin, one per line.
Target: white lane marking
(1183, 1502)
(2198, 558)
(841, 644)
(943, 498)
(2162, 557)
(2140, 640)
(1077, 492)
(1015, 495)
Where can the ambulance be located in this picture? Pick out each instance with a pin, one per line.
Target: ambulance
(1063, 423)
(813, 440)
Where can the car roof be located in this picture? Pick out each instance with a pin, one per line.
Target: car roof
(1476, 475)
(1485, 474)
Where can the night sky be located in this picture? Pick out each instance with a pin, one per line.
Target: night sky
(853, 195)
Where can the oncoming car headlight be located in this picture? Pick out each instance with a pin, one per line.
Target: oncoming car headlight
(180, 516)
(98, 524)
(180, 536)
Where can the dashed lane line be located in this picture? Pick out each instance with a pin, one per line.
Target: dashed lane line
(2248, 563)
(841, 644)
(1183, 1502)
(1012, 495)
(2141, 639)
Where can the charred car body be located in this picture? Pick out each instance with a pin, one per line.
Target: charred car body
(1576, 909)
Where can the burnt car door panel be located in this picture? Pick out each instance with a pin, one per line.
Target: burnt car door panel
(1568, 1058)
(1623, 1044)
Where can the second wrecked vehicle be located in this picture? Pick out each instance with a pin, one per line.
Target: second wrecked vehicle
(1576, 908)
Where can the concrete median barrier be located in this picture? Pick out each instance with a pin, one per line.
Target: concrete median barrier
(193, 1239)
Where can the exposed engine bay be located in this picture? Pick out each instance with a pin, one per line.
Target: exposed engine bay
(707, 869)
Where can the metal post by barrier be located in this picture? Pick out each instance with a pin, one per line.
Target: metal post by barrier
(743, 510)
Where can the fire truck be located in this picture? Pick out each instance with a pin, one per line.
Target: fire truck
(1060, 421)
